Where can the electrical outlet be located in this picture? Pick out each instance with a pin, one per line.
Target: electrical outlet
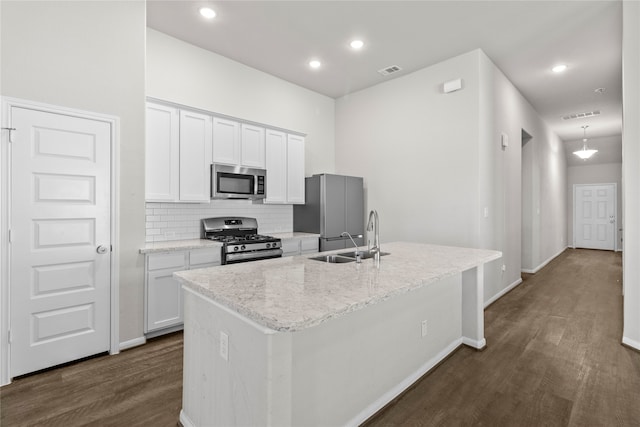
(424, 328)
(504, 268)
(224, 345)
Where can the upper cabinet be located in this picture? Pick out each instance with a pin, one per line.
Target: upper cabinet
(226, 137)
(238, 144)
(178, 155)
(252, 150)
(195, 156)
(295, 169)
(162, 153)
(181, 144)
(285, 168)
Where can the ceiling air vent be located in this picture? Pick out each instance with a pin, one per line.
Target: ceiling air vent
(581, 115)
(389, 70)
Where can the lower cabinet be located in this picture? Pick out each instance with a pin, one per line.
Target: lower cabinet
(163, 294)
(299, 245)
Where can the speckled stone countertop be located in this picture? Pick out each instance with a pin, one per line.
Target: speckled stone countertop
(183, 245)
(179, 245)
(294, 235)
(295, 293)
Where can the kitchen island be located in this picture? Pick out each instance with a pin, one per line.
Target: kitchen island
(295, 341)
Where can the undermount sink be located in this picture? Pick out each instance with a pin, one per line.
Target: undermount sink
(363, 254)
(333, 259)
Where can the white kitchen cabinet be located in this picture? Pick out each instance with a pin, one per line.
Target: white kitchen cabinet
(295, 169)
(238, 144)
(196, 137)
(276, 162)
(290, 247)
(178, 155)
(162, 151)
(285, 168)
(163, 294)
(299, 246)
(252, 149)
(226, 141)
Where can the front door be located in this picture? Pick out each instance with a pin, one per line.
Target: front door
(60, 248)
(595, 216)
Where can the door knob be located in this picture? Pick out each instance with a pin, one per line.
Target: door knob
(101, 249)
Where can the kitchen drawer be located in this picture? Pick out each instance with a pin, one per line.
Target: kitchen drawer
(309, 245)
(204, 256)
(167, 260)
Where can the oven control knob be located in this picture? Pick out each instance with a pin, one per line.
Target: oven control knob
(243, 247)
(268, 245)
(235, 248)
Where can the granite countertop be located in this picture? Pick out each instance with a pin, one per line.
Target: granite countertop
(179, 245)
(183, 245)
(295, 293)
(293, 235)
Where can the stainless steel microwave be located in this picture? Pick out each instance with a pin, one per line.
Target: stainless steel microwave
(235, 182)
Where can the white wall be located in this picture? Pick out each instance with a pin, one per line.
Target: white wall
(528, 182)
(185, 74)
(608, 173)
(433, 162)
(416, 148)
(630, 170)
(90, 56)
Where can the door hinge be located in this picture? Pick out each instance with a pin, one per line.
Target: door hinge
(10, 133)
(9, 336)
(9, 236)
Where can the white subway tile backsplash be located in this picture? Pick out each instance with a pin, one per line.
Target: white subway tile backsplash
(180, 221)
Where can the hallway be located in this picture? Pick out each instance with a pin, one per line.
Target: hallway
(554, 358)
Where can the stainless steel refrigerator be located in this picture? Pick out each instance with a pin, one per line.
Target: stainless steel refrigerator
(334, 204)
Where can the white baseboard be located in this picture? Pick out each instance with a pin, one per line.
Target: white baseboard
(185, 420)
(541, 266)
(631, 343)
(478, 345)
(502, 292)
(400, 387)
(132, 343)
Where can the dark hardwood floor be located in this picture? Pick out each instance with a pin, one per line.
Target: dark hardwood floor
(554, 358)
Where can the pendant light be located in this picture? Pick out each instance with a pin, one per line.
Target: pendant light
(585, 153)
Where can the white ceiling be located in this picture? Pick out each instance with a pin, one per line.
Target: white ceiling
(523, 38)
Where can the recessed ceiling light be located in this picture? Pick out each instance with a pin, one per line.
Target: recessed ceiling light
(315, 64)
(207, 12)
(357, 44)
(559, 68)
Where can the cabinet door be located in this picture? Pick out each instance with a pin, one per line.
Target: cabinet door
(252, 151)
(195, 156)
(276, 164)
(226, 141)
(295, 169)
(290, 247)
(164, 300)
(162, 153)
(309, 245)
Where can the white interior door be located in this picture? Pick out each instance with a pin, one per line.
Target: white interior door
(60, 248)
(595, 216)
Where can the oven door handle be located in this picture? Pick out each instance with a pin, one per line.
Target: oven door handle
(252, 255)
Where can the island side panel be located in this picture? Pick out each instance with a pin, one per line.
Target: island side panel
(252, 387)
(346, 369)
(473, 307)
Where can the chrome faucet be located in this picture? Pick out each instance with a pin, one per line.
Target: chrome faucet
(371, 225)
(357, 253)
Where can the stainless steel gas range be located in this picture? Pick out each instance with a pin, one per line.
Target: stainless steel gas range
(240, 239)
